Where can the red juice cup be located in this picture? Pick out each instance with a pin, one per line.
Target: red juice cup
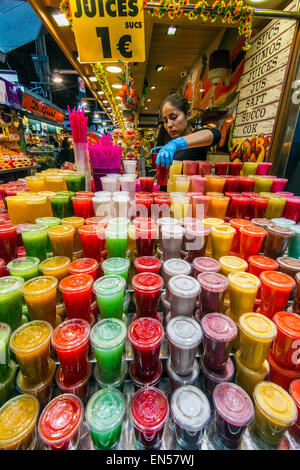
(279, 375)
(246, 183)
(278, 184)
(82, 206)
(80, 388)
(294, 391)
(221, 168)
(77, 292)
(84, 266)
(162, 208)
(60, 422)
(146, 236)
(204, 168)
(92, 240)
(285, 349)
(99, 221)
(143, 205)
(251, 240)
(237, 224)
(235, 168)
(162, 174)
(234, 412)
(200, 206)
(146, 183)
(70, 339)
(257, 264)
(258, 206)
(212, 293)
(292, 208)
(149, 411)
(239, 207)
(147, 264)
(147, 290)
(219, 331)
(189, 167)
(204, 264)
(145, 336)
(276, 289)
(197, 183)
(231, 184)
(8, 242)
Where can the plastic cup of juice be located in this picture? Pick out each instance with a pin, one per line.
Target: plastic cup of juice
(211, 378)
(58, 268)
(275, 412)
(191, 414)
(18, 419)
(174, 267)
(184, 292)
(62, 240)
(286, 343)
(171, 240)
(118, 266)
(73, 181)
(43, 390)
(60, 205)
(242, 293)
(92, 241)
(77, 292)
(11, 300)
(289, 266)
(48, 222)
(108, 339)
(82, 206)
(213, 288)
(147, 290)
(215, 184)
(40, 297)
(204, 264)
(277, 241)
(109, 291)
(219, 331)
(217, 206)
(221, 240)
(184, 336)
(84, 266)
(256, 335)
(291, 208)
(231, 264)
(30, 344)
(60, 422)
(8, 242)
(249, 168)
(35, 183)
(145, 336)
(17, 209)
(251, 240)
(117, 241)
(35, 240)
(146, 236)
(234, 411)
(276, 289)
(147, 264)
(237, 224)
(68, 194)
(27, 267)
(104, 415)
(75, 222)
(5, 332)
(247, 378)
(196, 240)
(149, 411)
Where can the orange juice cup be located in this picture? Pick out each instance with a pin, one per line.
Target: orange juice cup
(35, 183)
(30, 344)
(221, 240)
(58, 266)
(36, 207)
(40, 298)
(215, 184)
(62, 240)
(55, 183)
(75, 222)
(243, 291)
(217, 206)
(17, 209)
(48, 194)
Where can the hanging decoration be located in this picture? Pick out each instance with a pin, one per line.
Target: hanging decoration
(128, 92)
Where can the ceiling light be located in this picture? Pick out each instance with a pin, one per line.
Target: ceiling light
(159, 68)
(113, 69)
(152, 87)
(149, 99)
(145, 107)
(60, 19)
(118, 98)
(117, 85)
(171, 31)
(92, 79)
(100, 92)
(105, 101)
(57, 78)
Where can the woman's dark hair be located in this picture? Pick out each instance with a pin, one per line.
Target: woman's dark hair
(179, 101)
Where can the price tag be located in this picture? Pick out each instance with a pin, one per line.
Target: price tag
(5, 131)
(109, 30)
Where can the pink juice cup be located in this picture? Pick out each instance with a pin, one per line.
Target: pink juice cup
(200, 206)
(278, 184)
(189, 167)
(263, 168)
(197, 183)
(292, 208)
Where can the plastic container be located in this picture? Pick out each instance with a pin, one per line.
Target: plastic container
(77, 292)
(171, 240)
(275, 412)
(27, 267)
(243, 292)
(147, 290)
(280, 375)
(259, 264)
(84, 266)
(109, 291)
(176, 380)
(62, 240)
(43, 390)
(184, 336)
(251, 240)
(247, 378)
(205, 264)
(118, 266)
(289, 266)
(184, 292)
(286, 344)
(118, 383)
(294, 243)
(149, 411)
(35, 240)
(219, 332)
(221, 240)
(212, 293)
(211, 378)
(196, 240)
(191, 413)
(292, 208)
(11, 300)
(174, 267)
(276, 289)
(147, 264)
(233, 413)
(230, 264)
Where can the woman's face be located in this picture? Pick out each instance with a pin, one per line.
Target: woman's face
(174, 120)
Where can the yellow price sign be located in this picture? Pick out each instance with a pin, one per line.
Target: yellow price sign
(5, 131)
(109, 30)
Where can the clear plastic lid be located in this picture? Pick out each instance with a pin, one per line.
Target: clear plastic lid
(275, 403)
(39, 285)
(22, 264)
(244, 280)
(176, 266)
(147, 262)
(218, 327)
(70, 334)
(291, 264)
(34, 228)
(166, 221)
(147, 282)
(225, 375)
(184, 286)
(52, 264)
(281, 231)
(145, 332)
(262, 262)
(116, 265)
(234, 263)
(213, 282)
(258, 326)
(288, 323)
(261, 222)
(172, 231)
(184, 332)
(190, 408)
(76, 283)
(281, 221)
(233, 404)
(205, 264)
(108, 333)
(277, 280)
(79, 266)
(108, 285)
(149, 408)
(105, 409)
(30, 336)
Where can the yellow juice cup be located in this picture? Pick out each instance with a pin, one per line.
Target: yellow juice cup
(236, 341)
(74, 222)
(18, 420)
(211, 222)
(214, 184)
(179, 207)
(40, 298)
(48, 194)
(217, 206)
(170, 186)
(256, 335)
(243, 289)
(55, 183)
(275, 412)
(231, 264)
(31, 345)
(248, 378)
(36, 207)
(182, 183)
(35, 183)
(175, 168)
(275, 207)
(58, 266)
(221, 240)
(17, 209)
(62, 240)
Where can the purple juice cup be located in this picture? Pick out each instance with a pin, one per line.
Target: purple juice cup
(203, 264)
(219, 331)
(211, 378)
(213, 289)
(184, 292)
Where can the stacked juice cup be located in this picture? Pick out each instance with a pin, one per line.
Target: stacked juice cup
(8, 367)
(40, 294)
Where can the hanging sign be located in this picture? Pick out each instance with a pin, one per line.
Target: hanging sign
(109, 30)
(81, 87)
(42, 109)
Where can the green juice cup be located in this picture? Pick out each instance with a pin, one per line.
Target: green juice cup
(117, 241)
(35, 239)
(60, 206)
(11, 301)
(110, 291)
(48, 222)
(27, 267)
(7, 385)
(5, 332)
(74, 182)
(70, 194)
(104, 415)
(108, 339)
(82, 181)
(118, 266)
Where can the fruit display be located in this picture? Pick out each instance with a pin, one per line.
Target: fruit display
(10, 159)
(255, 149)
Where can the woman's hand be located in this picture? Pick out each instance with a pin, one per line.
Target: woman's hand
(155, 150)
(166, 153)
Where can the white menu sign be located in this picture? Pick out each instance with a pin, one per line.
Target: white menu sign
(263, 78)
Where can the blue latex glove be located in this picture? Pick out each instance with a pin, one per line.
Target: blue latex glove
(166, 153)
(155, 150)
